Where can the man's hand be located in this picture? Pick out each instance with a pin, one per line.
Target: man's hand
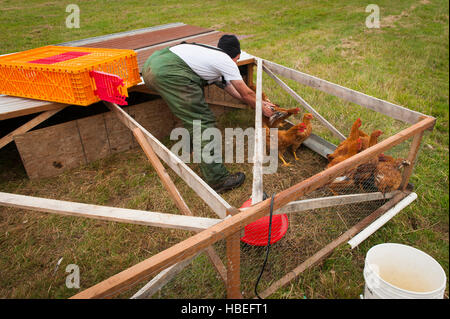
(267, 108)
(248, 96)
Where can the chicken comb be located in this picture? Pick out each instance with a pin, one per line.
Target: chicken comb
(301, 126)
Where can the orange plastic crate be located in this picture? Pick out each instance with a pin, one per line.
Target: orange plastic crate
(61, 74)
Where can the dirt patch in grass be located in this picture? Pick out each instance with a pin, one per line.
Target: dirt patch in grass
(389, 21)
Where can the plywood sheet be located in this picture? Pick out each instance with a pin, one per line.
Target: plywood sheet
(49, 151)
(137, 41)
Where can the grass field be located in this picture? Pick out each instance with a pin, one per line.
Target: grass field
(404, 62)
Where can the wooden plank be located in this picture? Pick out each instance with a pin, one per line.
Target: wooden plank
(227, 104)
(257, 186)
(328, 249)
(162, 173)
(11, 107)
(211, 198)
(161, 279)
(233, 224)
(27, 126)
(123, 215)
(250, 68)
(233, 246)
(395, 111)
(412, 157)
(233, 250)
(324, 202)
(299, 99)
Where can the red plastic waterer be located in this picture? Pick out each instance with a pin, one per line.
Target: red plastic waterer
(257, 233)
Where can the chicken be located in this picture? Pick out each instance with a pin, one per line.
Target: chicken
(363, 175)
(371, 140)
(344, 182)
(307, 117)
(352, 148)
(388, 174)
(279, 114)
(385, 158)
(286, 138)
(342, 148)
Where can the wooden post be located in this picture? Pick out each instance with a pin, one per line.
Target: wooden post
(412, 157)
(233, 246)
(257, 187)
(250, 74)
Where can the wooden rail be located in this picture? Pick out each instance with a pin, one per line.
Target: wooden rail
(392, 110)
(123, 215)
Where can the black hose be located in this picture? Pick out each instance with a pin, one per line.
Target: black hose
(267, 249)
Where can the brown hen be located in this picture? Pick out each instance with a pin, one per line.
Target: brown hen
(342, 148)
(307, 117)
(388, 174)
(286, 138)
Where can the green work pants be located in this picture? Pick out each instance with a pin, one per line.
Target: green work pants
(182, 90)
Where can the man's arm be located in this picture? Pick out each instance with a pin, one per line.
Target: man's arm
(247, 95)
(229, 88)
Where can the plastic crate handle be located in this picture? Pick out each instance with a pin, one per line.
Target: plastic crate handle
(109, 87)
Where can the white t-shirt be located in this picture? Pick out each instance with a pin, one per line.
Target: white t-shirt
(209, 64)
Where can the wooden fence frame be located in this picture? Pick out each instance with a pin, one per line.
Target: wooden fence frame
(233, 220)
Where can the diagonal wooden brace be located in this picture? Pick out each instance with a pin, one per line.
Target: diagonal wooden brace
(175, 195)
(28, 126)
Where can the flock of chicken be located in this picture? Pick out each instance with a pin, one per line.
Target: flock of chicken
(382, 173)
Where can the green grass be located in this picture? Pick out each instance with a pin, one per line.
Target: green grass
(404, 62)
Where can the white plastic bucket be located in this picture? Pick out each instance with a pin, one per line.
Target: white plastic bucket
(395, 271)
